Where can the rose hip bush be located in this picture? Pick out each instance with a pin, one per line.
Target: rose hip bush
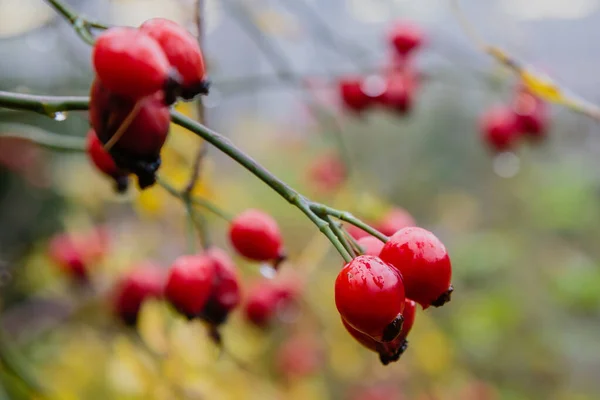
(180, 278)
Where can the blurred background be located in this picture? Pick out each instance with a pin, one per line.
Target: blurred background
(521, 227)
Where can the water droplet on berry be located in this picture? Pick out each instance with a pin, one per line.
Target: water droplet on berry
(374, 85)
(267, 271)
(507, 164)
(59, 116)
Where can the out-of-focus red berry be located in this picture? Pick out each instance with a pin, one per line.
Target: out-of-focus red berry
(183, 53)
(327, 173)
(130, 63)
(406, 37)
(143, 282)
(394, 220)
(531, 115)
(256, 236)
(190, 283)
(499, 128)
(371, 245)
(298, 357)
(265, 299)
(225, 293)
(352, 94)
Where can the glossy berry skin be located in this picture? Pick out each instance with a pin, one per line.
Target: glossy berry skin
(394, 220)
(256, 236)
(499, 129)
(138, 149)
(190, 283)
(371, 245)
(130, 63)
(225, 293)
(424, 263)
(183, 53)
(369, 295)
(390, 351)
(353, 96)
(531, 115)
(144, 282)
(104, 162)
(406, 37)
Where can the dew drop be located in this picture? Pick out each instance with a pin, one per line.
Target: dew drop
(374, 85)
(507, 164)
(59, 116)
(267, 271)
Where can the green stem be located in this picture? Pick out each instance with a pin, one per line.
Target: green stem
(357, 248)
(339, 233)
(198, 201)
(81, 26)
(47, 105)
(346, 216)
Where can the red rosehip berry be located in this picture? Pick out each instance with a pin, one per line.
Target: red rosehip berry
(398, 94)
(104, 162)
(182, 51)
(68, 256)
(531, 115)
(225, 293)
(143, 282)
(256, 236)
(356, 232)
(406, 37)
(190, 283)
(424, 263)
(369, 295)
(371, 245)
(327, 173)
(499, 129)
(131, 63)
(353, 96)
(394, 220)
(264, 300)
(138, 148)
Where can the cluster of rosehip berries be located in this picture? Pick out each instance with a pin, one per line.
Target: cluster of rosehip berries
(376, 293)
(502, 127)
(140, 73)
(205, 285)
(395, 89)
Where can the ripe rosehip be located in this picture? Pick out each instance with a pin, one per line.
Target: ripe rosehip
(138, 149)
(183, 52)
(531, 115)
(131, 63)
(144, 282)
(225, 292)
(264, 300)
(189, 284)
(371, 245)
(394, 220)
(499, 129)
(369, 295)
(399, 93)
(424, 263)
(327, 173)
(406, 37)
(356, 232)
(255, 235)
(66, 254)
(104, 162)
(353, 95)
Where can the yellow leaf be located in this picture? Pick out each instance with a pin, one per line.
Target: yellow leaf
(543, 87)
